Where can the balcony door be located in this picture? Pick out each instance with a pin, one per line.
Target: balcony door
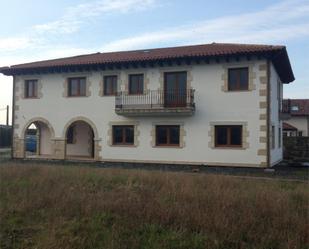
(175, 89)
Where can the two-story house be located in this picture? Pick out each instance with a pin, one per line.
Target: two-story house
(214, 104)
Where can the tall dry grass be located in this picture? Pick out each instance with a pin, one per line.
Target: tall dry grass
(77, 207)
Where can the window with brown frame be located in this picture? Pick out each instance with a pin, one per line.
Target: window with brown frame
(31, 88)
(136, 84)
(279, 137)
(70, 135)
(123, 135)
(77, 87)
(273, 137)
(167, 135)
(228, 136)
(110, 85)
(238, 79)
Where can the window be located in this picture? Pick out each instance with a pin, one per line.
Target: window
(273, 137)
(123, 135)
(70, 135)
(136, 84)
(279, 137)
(77, 87)
(31, 88)
(110, 85)
(295, 108)
(167, 135)
(300, 133)
(238, 79)
(228, 136)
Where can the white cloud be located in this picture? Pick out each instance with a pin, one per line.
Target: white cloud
(280, 22)
(76, 16)
(13, 43)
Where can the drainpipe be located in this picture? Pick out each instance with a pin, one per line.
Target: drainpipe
(13, 118)
(268, 99)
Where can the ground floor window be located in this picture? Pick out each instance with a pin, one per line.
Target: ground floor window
(167, 135)
(273, 139)
(228, 136)
(123, 135)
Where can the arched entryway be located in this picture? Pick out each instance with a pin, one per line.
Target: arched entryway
(80, 139)
(38, 135)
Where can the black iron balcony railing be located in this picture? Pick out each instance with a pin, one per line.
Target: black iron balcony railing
(156, 100)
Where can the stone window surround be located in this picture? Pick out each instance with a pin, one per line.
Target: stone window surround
(135, 124)
(251, 76)
(66, 78)
(245, 135)
(109, 73)
(187, 69)
(39, 87)
(127, 73)
(182, 134)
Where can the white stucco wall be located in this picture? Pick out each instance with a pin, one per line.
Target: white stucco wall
(277, 152)
(212, 105)
(45, 144)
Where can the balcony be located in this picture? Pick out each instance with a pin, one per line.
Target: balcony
(156, 102)
(285, 112)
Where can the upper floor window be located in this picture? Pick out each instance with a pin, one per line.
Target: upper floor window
(31, 88)
(110, 85)
(136, 84)
(123, 135)
(77, 87)
(228, 136)
(238, 79)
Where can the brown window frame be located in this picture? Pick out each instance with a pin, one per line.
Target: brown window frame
(228, 144)
(273, 137)
(279, 137)
(78, 88)
(168, 136)
(140, 84)
(105, 87)
(123, 143)
(34, 93)
(238, 88)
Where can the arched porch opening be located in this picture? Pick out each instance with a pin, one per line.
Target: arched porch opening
(38, 136)
(79, 140)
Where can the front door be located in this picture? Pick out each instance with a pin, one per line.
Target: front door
(175, 89)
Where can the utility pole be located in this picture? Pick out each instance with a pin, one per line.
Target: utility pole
(7, 115)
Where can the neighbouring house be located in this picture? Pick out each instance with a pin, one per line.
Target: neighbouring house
(214, 104)
(297, 124)
(5, 136)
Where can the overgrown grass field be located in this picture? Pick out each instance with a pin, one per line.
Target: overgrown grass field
(87, 208)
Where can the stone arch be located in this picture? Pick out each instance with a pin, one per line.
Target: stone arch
(44, 136)
(37, 120)
(95, 146)
(86, 120)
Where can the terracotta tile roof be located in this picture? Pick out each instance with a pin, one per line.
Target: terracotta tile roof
(287, 126)
(299, 107)
(196, 51)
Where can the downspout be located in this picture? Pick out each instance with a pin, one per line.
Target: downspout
(13, 119)
(268, 115)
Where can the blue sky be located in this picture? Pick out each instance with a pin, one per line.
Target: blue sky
(40, 29)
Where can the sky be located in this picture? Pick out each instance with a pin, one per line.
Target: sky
(33, 30)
